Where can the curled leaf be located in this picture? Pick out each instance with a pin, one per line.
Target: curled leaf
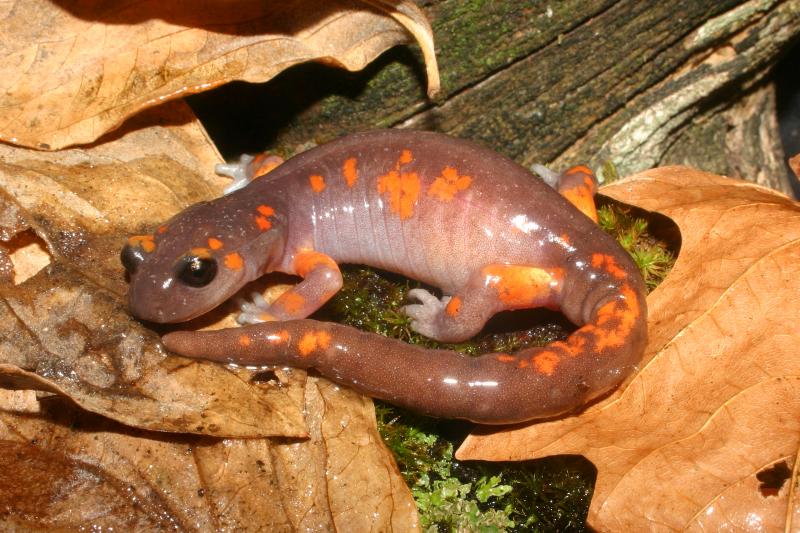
(685, 442)
(73, 71)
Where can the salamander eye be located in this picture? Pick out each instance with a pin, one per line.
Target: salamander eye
(197, 271)
(131, 257)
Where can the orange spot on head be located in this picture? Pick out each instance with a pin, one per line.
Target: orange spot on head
(505, 358)
(448, 184)
(265, 210)
(307, 260)
(202, 253)
(146, 242)
(244, 341)
(523, 286)
(234, 261)
(406, 157)
(546, 362)
(317, 183)
(214, 244)
(350, 171)
(313, 340)
(263, 223)
(453, 306)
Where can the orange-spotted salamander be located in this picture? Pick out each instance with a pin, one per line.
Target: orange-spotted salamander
(445, 211)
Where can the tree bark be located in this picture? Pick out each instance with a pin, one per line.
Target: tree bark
(636, 83)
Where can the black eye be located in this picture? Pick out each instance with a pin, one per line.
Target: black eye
(131, 257)
(197, 271)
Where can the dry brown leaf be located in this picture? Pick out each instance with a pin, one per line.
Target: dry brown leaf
(72, 71)
(66, 329)
(61, 468)
(692, 440)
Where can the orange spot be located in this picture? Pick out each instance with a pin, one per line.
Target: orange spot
(146, 242)
(546, 362)
(523, 363)
(262, 223)
(406, 157)
(350, 171)
(609, 264)
(280, 337)
(307, 260)
(448, 184)
(162, 229)
(234, 261)
(505, 358)
(317, 183)
(616, 319)
(581, 197)
(291, 302)
(202, 253)
(523, 286)
(453, 306)
(214, 244)
(265, 163)
(313, 340)
(565, 239)
(581, 169)
(265, 210)
(244, 340)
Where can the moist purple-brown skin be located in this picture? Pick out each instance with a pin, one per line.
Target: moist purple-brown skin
(445, 211)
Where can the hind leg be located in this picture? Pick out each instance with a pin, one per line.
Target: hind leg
(494, 288)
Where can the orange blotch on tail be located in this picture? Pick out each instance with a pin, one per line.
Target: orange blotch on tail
(406, 157)
(349, 171)
(162, 229)
(281, 337)
(234, 261)
(546, 362)
(609, 264)
(448, 184)
(505, 358)
(317, 183)
(313, 340)
(214, 244)
(523, 286)
(244, 341)
(146, 242)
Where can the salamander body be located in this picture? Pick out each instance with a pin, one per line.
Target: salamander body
(448, 212)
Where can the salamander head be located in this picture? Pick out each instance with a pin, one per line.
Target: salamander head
(199, 259)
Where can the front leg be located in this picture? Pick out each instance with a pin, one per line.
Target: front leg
(321, 280)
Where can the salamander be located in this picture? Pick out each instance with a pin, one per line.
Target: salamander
(448, 212)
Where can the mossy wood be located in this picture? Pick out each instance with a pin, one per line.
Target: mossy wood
(639, 83)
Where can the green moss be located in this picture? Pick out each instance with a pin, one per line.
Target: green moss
(552, 494)
(651, 254)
